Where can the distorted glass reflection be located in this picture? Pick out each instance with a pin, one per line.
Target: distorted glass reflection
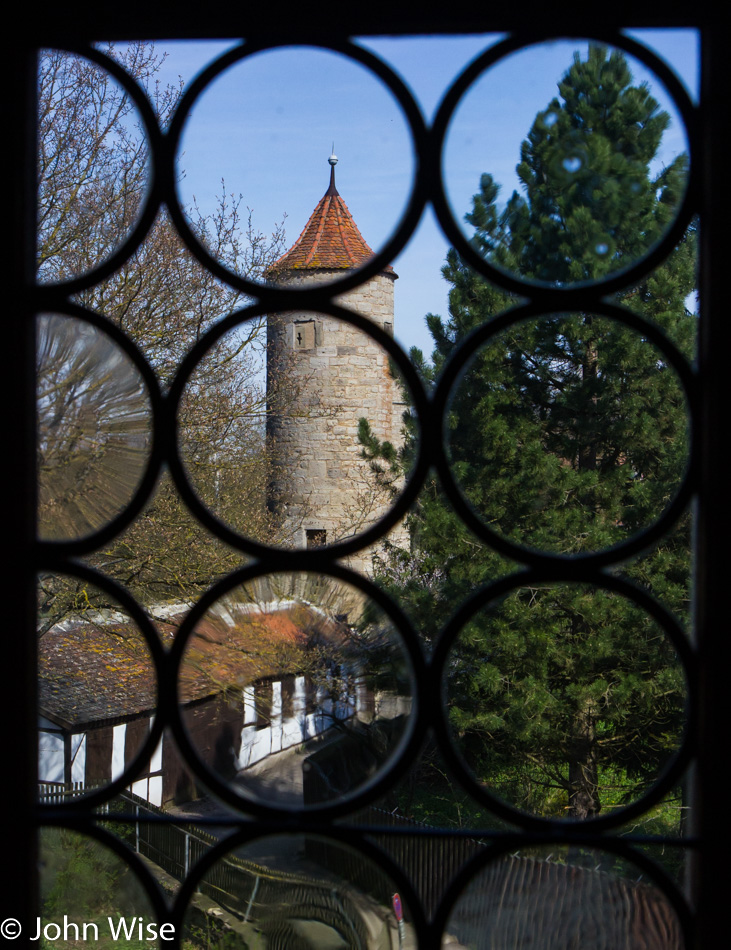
(93, 428)
(296, 689)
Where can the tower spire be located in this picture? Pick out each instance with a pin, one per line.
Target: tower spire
(333, 160)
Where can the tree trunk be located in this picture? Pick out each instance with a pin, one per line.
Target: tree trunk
(583, 773)
(589, 372)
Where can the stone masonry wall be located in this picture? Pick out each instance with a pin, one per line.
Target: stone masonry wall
(323, 376)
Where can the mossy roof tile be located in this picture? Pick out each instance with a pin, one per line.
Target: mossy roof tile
(93, 672)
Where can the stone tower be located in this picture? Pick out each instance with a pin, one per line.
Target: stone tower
(323, 376)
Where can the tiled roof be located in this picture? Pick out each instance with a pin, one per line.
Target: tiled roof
(94, 672)
(330, 240)
(222, 655)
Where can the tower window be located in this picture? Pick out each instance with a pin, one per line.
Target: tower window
(304, 335)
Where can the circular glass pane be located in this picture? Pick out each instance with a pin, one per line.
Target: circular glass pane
(88, 894)
(565, 700)
(565, 162)
(291, 433)
(296, 689)
(261, 131)
(97, 692)
(93, 167)
(302, 892)
(94, 428)
(568, 434)
(578, 896)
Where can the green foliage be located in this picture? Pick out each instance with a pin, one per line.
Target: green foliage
(565, 686)
(79, 876)
(590, 203)
(211, 934)
(566, 433)
(382, 457)
(86, 882)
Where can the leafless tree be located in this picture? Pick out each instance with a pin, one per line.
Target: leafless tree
(93, 414)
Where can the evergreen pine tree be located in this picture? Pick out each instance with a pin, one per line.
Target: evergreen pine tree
(567, 434)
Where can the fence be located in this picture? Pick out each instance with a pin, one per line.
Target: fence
(50, 793)
(430, 863)
(513, 902)
(252, 892)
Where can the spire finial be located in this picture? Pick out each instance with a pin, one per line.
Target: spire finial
(333, 160)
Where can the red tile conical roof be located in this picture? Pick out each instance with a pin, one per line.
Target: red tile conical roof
(330, 239)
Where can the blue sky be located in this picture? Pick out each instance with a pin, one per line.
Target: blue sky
(266, 128)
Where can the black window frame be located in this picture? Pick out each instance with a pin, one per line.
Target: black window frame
(56, 24)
